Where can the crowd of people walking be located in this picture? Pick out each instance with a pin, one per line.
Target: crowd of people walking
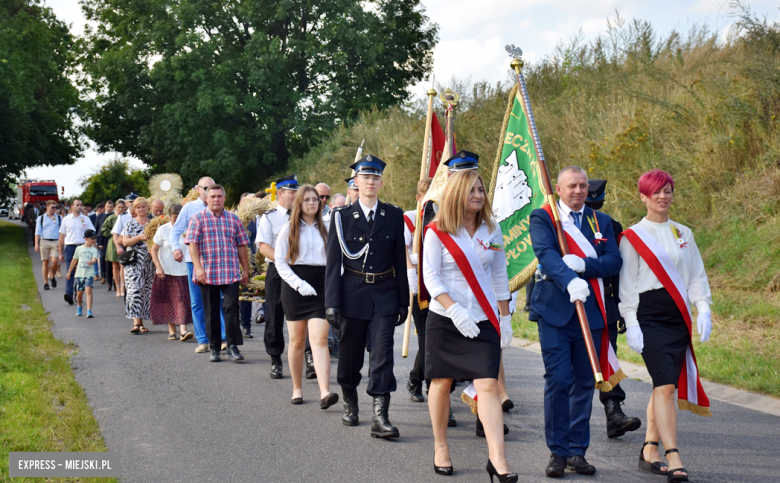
(340, 272)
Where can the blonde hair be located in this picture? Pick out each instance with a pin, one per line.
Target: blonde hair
(454, 200)
(422, 186)
(140, 200)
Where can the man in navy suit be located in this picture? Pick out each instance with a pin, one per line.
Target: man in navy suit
(569, 381)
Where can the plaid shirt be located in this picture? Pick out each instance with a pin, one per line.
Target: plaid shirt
(218, 239)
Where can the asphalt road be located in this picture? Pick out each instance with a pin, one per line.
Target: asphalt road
(173, 416)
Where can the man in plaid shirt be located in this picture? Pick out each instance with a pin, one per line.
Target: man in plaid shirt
(218, 243)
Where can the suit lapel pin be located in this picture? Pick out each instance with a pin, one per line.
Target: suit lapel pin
(382, 212)
(355, 215)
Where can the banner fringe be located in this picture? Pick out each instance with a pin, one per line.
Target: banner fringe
(613, 381)
(521, 279)
(469, 402)
(694, 408)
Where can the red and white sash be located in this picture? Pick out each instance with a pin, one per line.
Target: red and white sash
(409, 223)
(580, 246)
(469, 264)
(690, 393)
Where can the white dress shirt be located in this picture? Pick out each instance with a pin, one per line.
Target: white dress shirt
(636, 277)
(73, 227)
(566, 211)
(169, 265)
(121, 221)
(269, 227)
(311, 251)
(442, 274)
(366, 209)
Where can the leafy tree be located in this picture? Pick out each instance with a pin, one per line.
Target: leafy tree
(114, 180)
(233, 88)
(37, 100)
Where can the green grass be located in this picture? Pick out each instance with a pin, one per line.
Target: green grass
(736, 354)
(42, 407)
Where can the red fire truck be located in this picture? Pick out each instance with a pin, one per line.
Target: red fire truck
(32, 191)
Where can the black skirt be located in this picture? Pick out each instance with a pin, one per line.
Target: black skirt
(298, 307)
(451, 355)
(665, 335)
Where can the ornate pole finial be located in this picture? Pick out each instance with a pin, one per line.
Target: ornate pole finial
(514, 52)
(449, 97)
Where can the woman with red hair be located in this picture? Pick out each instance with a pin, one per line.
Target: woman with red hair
(662, 276)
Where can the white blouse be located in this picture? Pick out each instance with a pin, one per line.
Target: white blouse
(408, 235)
(636, 276)
(442, 275)
(169, 265)
(311, 251)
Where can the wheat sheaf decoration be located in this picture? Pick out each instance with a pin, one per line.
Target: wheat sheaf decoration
(165, 185)
(252, 207)
(151, 228)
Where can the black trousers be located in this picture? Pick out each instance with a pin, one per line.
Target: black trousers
(274, 314)
(212, 294)
(419, 316)
(352, 349)
(617, 392)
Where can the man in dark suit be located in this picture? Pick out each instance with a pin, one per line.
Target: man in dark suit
(569, 381)
(370, 296)
(617, 422)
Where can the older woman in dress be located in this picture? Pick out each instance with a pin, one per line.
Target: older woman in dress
(662, 275)
(170, 301)
(464, 334)
(139, 275)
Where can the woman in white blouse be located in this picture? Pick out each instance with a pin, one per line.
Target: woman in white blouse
(656, 327)
(300, 261)
(461, 341)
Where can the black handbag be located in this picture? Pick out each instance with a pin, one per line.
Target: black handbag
(129, 257)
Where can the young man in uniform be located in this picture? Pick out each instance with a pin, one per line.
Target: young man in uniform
(617, 422)
(372, 294)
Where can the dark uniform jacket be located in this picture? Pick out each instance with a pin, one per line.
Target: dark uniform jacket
(352, 295)
(612, 287)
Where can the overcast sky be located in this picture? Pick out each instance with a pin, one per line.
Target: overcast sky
(472, 36)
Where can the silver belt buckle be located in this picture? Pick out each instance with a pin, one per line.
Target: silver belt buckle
(372, 279)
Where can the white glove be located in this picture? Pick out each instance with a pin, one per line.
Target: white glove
(505, 323)
(415, 258)
(463, 320)
(305, 289)
(574, 262)
(635, 338)
(578, 290)
(411, 274)
(704, 325)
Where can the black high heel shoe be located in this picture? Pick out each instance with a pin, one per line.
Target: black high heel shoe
(442, 470)
(505, 478)
(670, 472)
(655, 467)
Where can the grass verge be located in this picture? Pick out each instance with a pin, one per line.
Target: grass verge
(42, 407)
(738, 354)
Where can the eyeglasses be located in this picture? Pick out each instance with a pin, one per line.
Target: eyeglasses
(324, 197)
(311, 200)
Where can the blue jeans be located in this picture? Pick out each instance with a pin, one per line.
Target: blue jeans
(246, 315)
(198, 316)
(69, 251)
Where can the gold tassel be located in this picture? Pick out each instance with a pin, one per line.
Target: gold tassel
(613, 381)
(695, 409)
(469, 402)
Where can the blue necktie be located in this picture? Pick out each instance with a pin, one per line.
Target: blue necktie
(576, 219)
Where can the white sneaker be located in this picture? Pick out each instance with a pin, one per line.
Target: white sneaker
(202, 348)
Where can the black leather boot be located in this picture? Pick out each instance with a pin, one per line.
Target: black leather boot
(382, 427)
(415, 391)
(310, 372)
(233, 354)
(617, 422)
(451, 422)
(276, 367)
(350, 417)
(481, 429)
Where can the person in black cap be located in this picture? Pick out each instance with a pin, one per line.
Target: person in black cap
(268, 228)
(617, 422)
(372, 294)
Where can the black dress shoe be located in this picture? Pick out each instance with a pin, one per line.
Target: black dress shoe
(481, 429)
(556, 466)
(53, 283)
(329, 400)
(276, 367)
(259, 319)
(46, 286)
(233, 354)
(296, 400)
(310, 372)
(451, 423)
(415, 391)
(69, 298)
(382, 428)
(245, 332)
(578, 464)
(214, 356)
(507, 405)
(350, 417)
(617, 422)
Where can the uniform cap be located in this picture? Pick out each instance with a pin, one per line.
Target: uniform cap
(351, 183)
(131, 197)
(287, 183)
(596, 190)
(463, 160)
(369, 165)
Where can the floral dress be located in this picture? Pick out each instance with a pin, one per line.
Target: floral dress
(138, 276)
